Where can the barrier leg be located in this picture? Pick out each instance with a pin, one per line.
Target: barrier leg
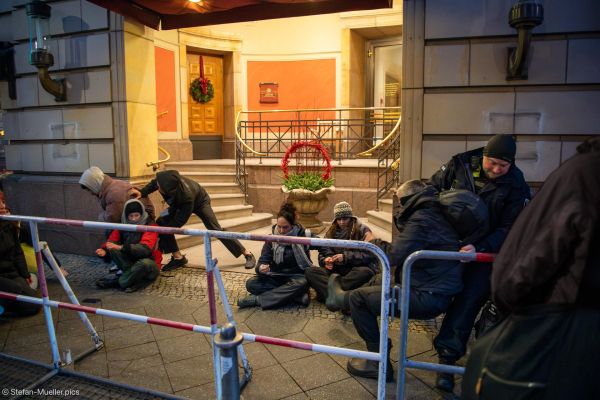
(47, 310)
(383, 335)
(213, 312)
(63, 281)
(227, 341)
(403, 328)
(227, 307)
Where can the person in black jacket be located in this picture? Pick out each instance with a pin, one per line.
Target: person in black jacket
(14, 277)
(280, 270)
(355, 266)
(422, 226)
(184, 197)
(491, 173)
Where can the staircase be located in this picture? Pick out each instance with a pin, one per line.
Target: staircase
(227, 200)
(383, 217)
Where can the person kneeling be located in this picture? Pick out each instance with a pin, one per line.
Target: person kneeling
(280, 269)
(355, 266)
(135, 253)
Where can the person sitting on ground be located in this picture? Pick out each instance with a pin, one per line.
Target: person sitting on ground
(280, 270)
(135, 253)
(422, 226)
(184, 197)
(355, 266)
(14, 277)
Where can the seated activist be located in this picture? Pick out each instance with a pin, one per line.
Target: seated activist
(135, 253)
(14, 277)
(184, 197)
(422, 226)
(280, 270)
(356, 267)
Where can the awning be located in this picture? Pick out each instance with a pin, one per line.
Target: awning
(174, 14)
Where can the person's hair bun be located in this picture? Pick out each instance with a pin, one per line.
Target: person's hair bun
(288, 211)
(288, 206)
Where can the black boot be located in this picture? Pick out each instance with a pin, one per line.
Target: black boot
(369, 368)
(445, 380)
(335, 296)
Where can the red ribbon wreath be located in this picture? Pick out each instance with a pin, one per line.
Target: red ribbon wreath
(304, 144)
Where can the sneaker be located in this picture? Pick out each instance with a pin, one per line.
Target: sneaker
(113, 268)
(175, 263)
(119, 273)
(250, 261)
(248, 301)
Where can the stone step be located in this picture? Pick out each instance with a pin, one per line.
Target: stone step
(226, 212)
(201, 166)
(386, 205)
(221, 188)
(209, 177)
(382, 219)
(241, 224)
(227, 199)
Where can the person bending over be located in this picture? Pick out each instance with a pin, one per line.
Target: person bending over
(135, 253)
(184, 197)
(422, 226)
(279, 277)
(356, 267)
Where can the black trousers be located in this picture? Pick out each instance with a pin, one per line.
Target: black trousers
(204, 211)
(365, 306)
(276, 291)
(460, 316)
(18, 286)
(352, 278)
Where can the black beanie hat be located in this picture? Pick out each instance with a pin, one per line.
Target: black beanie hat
(132, 207)
(502, 147)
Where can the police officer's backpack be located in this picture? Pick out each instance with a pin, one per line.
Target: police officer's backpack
(467, 213)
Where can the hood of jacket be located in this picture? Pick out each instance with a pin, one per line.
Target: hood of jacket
(143, 219)
(426, 198)
(92, 179)
(170, 183)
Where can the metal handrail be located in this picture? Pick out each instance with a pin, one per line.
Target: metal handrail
(154, 164)
(369, 152)
(237, 119)
(395, 164)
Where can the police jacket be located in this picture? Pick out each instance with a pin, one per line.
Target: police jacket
(182, 195)
(505, 197)
(12, 258)
(552, 253)
(422, 226)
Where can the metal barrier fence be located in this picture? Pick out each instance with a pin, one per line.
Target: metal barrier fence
(212, 273)
(403, 363)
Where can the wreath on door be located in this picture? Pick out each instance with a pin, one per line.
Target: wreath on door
(201, 90)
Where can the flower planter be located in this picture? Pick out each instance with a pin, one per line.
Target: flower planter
(309, 204)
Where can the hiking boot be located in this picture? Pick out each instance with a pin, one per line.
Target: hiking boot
(248, 301)
(368, 368)
(302, 300)
(175, 263)
(250, 261)
(445, 380)
(335, 297)
(108, 283)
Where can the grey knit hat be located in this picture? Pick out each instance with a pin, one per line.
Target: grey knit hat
(342, 210)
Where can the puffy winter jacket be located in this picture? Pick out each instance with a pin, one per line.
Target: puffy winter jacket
(113, 195)
(352, 257)
(422, 226)
(146, 247)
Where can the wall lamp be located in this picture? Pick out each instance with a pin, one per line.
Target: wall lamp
(524, 16)
(38, 15)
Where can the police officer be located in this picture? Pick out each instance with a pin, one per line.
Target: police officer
(491, 173)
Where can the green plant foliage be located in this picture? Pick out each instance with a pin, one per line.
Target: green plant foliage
(306, 180)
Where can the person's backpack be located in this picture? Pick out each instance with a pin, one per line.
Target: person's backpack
(467, 213)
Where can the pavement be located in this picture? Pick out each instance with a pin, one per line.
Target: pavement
(180, 362)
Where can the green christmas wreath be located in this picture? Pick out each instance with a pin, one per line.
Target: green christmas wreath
(201, 90)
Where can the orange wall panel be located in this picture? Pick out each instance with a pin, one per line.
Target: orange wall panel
(165, 89)
(302, 84)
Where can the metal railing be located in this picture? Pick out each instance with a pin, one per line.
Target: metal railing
(213, 274)
(154, 164)
(403, 363)
(348, 133)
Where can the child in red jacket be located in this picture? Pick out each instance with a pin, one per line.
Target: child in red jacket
(135, 253)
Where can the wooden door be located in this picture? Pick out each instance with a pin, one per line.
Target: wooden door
(206, 119)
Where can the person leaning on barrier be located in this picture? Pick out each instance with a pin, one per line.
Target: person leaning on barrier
(546, 283)
(422, 226)
(279, 277)
(112, 194)
(491, 173)
(14, 277)
(184, 197)
(355, 266)
(135, 253)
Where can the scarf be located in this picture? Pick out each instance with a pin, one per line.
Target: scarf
(279, 249)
